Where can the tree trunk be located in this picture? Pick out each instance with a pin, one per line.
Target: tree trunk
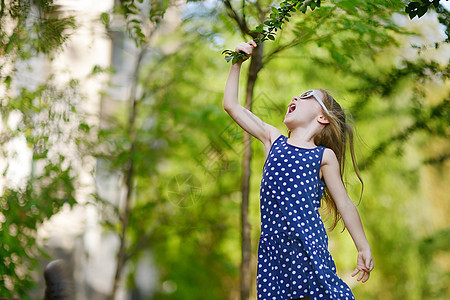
(129, 176)
(246, 279)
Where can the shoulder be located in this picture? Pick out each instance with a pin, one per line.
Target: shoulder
(330, 165)
(329, 157)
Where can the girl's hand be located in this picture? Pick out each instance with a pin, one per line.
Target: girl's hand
(246, 48)
(364, 265)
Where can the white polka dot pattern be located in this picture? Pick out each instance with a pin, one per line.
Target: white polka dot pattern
(293, 257)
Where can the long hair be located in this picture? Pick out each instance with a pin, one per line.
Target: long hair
(336, 135)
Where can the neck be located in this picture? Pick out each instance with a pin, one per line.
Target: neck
(303, 137)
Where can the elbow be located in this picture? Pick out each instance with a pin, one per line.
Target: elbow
(231, 110)
(231, 106)
(227, 107)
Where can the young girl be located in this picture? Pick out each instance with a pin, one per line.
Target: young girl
(293, 257)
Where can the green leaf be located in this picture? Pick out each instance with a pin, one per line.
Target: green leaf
(339, 58)
(421, 11)
(415, 9)
(8, 80)
(104, 17)
(84, 127)
(348, 6)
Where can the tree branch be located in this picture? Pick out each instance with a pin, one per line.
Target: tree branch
(438, 160)
(294, 43)
(240, 21)
(420, 123)
(300, 39)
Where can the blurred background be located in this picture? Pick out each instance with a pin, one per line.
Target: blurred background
(116, 154)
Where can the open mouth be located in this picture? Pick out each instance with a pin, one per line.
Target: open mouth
(291, 107)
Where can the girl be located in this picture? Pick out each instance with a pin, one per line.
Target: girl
(293, 257)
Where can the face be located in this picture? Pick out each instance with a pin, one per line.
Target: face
(304, 108)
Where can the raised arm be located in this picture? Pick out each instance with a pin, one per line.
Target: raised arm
(242, 116)
(349, 213)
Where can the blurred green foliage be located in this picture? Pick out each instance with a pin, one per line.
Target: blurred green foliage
(46, 121)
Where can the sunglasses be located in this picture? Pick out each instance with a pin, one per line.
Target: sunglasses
(314, 94)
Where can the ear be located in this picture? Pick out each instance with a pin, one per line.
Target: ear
(322, 120)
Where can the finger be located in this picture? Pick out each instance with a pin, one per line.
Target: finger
(243, 47)
(355, 272)
(366, 277)
(368, 265)
(361, 275)
(365, 269)
(368, 262)
(371, 266)
(252, 43)
(247, 49)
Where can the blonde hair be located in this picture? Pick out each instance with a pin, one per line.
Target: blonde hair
(336, 135)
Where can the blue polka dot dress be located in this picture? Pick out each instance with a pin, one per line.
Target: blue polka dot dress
(293, 257)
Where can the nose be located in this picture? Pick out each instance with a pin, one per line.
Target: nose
(295, 98)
